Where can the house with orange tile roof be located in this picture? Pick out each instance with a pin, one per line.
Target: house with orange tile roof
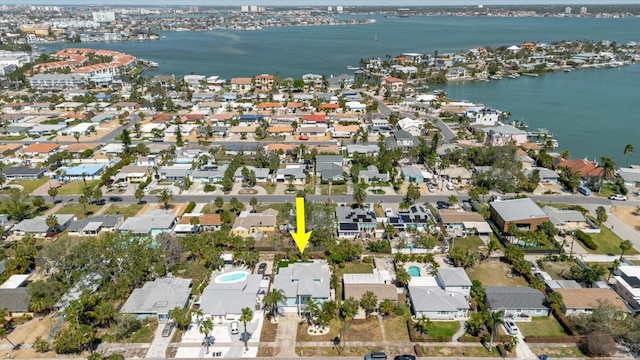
(241, 84)
(285, 148)
(344, 131)
(38, 150)
(206, 222)
(393, 84)
(314, 119)
(263, 82)
(267, 106)
(584, 167)
(281, 130)
(330, 107)
(161, 118)
(292, 107)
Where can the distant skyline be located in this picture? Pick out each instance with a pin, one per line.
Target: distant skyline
(319, 2)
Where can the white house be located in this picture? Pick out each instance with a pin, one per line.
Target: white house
(482, 115)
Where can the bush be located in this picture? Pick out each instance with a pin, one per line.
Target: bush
(338, 182)
(209, 188)
(418, 350)
(399, 311)
(586, 240)
(502, 350)
(598, 345)
(190, 207)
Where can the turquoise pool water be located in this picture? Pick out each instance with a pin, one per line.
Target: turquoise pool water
(414, 271)
(231, 277)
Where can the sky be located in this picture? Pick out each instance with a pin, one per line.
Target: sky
(318, 2)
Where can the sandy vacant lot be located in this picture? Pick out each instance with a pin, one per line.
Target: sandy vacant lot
(26, 334)
(628, 216)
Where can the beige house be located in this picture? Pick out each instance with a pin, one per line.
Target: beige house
(247, 223)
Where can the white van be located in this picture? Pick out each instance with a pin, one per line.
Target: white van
(234, 328)
(449, 186)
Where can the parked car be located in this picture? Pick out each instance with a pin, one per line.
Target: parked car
(376, 355)
(303, 138)
(533, 266)
(618, 197)
(388, 212)
(262, 268)
(404, 357)
(115, 198)
(511, 327)
(235, 328)
(430, 187)
(442, 204)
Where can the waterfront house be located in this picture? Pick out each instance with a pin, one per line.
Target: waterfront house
(524, 213)
(263, 82)
(302, 281)
(631, 176)
(456, 73)
(393, 84)
(479, 115)
(516, 301)
(155, 299)
(503, 135)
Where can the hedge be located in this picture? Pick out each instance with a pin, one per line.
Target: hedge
(189, 208)
(418, 350)
(562, 320)
(552, 339)
(502, 350)
(586, 240)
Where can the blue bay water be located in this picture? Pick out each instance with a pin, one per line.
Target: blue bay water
(592, 112)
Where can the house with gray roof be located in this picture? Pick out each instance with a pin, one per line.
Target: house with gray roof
(38, 225)
(15, 301)
(302, 281)
(523, 213)
(401, 139)
(454, 280)
(362, 149)
(209, 174)
(298, 173)
(353, 222)
(175, 172)
(151, 223)
(566, 219)
(224, 300)
(437, 304)
(547, 176)
(631, 176)
(23, 173)
(372, 174)
(261, 174)
(516, 301)
(93, 225)
(412, 174)
(157, 298)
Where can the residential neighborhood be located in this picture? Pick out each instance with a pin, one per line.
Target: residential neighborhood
(159, 211)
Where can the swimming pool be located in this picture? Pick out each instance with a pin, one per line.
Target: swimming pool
(414, 271)
(231, 277)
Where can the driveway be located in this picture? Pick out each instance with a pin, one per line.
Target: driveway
(158, 348)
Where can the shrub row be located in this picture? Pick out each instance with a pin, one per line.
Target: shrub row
(562, 320)
(189, 208)
(502, 350)
(418, 350)
(586, 240)
(552, 339)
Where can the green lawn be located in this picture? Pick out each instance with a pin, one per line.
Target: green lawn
(541, 326)
(30, 185)
(608, 243)
(495, 273)
(350, 268)
(75, 187)
(472, 242)
(335, 189)
(443, 328)
(127, 210)
(78, 210)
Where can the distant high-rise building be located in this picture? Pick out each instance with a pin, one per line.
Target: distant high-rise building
(253, 8)
(330, 8)
(104, 16)
(193, 9)
(567, 10)
(244, 8)
(583, 10)
(339, 9)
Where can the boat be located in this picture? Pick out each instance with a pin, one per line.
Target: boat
(512, 76)
(149, 64)
(530, 74)
(495, 77)
(353, 68)
(375, 37)
(567, 69)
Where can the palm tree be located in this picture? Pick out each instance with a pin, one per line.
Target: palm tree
(360, 193)
(608, 169)
(76, 135)
(53, 192)
(628, 152)
(165, 197)
(272, 299)
(205, 328)
(369, 302)
(2, 180)
(253, 202)
(601, 215)
(424, 324)
(52, 222)
(247, 316)
(625, 246)
(313, 309)
(139, 194)
(495, 319)
(84, 201)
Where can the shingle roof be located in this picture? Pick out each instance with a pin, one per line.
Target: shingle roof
(303, 279)
(518, 209)
(514, 297)
(453, 277)
(159, 296)
(429, 299)
(230, 298)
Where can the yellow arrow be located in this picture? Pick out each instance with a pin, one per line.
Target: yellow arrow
(300, 236)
